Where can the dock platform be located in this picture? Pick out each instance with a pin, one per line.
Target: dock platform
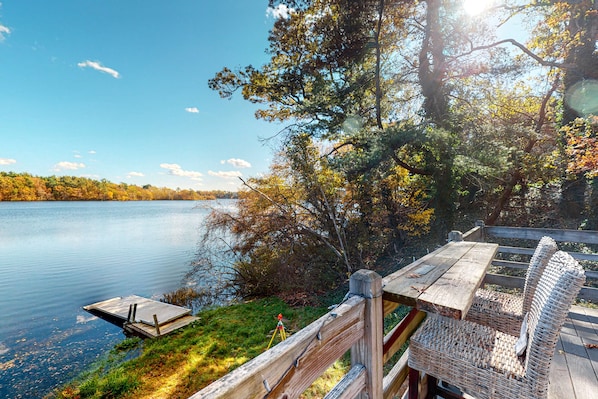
(143, 316)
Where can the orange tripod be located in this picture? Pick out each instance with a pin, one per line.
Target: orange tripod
(279, 328)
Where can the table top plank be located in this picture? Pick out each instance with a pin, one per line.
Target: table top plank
(452, 294)
(406, 285)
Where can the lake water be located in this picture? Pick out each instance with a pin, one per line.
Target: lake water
(56, 257)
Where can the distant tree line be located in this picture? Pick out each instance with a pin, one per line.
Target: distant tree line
(26, 187)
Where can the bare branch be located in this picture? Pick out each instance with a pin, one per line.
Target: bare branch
(527, 51)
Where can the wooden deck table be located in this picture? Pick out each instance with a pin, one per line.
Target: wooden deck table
(444, 281)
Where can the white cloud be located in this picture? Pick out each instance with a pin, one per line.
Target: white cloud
(91, 152)
(237, 163)
(65, 165)
(280, 11)
(176, 170)
(99, 67)
(7, 161)
(226, 174)
(135, 174)
(4, 30)
(192, 110)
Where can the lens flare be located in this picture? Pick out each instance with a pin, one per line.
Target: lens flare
(583, 97)
(475, 7)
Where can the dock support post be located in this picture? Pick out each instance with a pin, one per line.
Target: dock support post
(130, 313)
(368, 351)
(157, 325)
(134, 313)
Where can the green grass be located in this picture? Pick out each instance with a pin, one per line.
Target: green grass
(178, 365)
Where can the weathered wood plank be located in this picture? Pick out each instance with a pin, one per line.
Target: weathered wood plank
(582, 373)
(453, 293)
(337, 331)
(503, 280)
(525, 233)
(589, 315)
(395, 378)
(568, 327)
(582, 324)
(574, 370)
(398, 336)
(524, 265)
(586, 293)
(560, 387)
(588, 333)
(146, 309)
(582, 256)
(389, 306)
(589, 294)
(530, 251)
(510, 264)
(474, 234)
(406, 285)
(165, 329)
(515, 250)
(573, 346)
(351, 385)
(592, 352)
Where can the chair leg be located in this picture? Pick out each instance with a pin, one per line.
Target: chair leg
(413, 384)
(432, 384)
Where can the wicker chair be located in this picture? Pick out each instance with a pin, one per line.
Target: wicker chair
(503, 311)
(481, 361)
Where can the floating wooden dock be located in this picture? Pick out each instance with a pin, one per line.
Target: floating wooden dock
(143, 316)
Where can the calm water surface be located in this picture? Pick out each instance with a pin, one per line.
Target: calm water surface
(56, 257)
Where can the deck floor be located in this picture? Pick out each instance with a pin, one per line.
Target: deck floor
(574, 371)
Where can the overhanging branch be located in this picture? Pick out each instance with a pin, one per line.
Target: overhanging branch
(527, 51)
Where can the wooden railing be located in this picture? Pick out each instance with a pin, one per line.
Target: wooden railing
(289, 368)
(531, 236)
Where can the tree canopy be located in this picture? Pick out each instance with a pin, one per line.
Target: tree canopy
(422, 115)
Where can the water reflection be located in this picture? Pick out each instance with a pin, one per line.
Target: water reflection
(59, 256)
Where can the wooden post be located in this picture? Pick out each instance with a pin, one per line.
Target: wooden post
(134, 313)
(130, 313)
(368, 351)
(413, 384)
(455, 236)
(157, 324)
(482, 225)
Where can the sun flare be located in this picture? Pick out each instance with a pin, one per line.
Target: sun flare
(476, 7)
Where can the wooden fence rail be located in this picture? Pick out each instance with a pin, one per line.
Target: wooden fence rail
(290, 367)
(497, 233)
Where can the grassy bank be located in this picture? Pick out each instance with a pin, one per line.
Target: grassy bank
(178, 365)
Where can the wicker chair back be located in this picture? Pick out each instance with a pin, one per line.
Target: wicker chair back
(544, 251)
(555, 293)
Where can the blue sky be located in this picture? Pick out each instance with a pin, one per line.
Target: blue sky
(117, 90)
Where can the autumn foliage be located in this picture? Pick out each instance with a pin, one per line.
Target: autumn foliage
(25, 187)
(582, 147)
